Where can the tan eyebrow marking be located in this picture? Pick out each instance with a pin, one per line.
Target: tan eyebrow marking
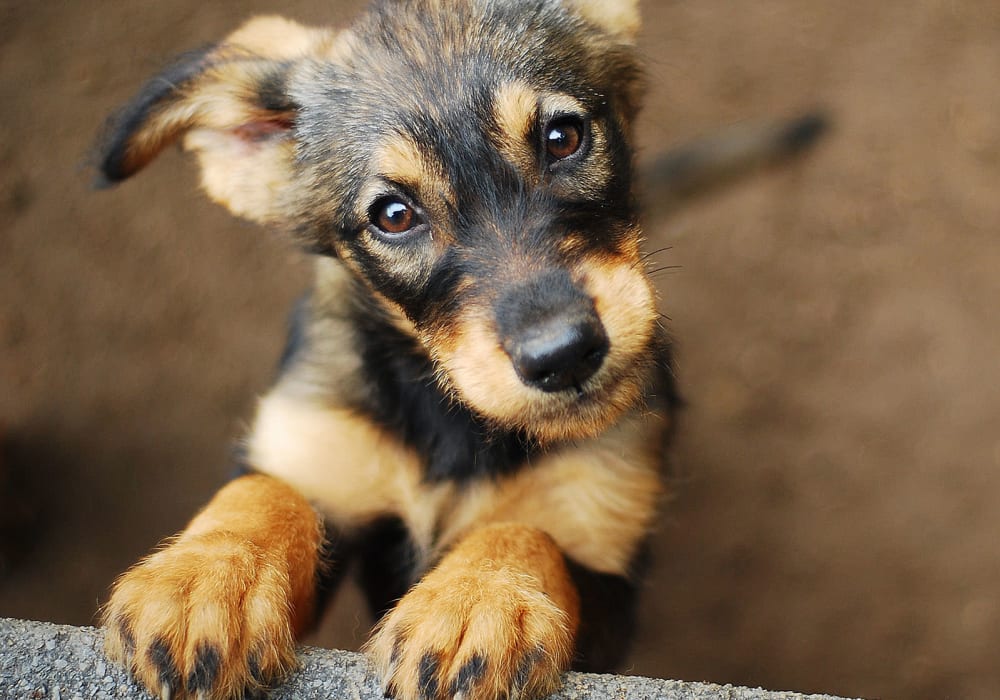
(515, 108)
(400, 159)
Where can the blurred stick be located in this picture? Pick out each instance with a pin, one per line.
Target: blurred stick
(714, 162)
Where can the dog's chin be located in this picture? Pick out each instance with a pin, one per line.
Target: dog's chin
(580, 417)
(552, 417)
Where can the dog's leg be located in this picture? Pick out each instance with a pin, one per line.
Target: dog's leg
(609, 605)
(215, 612)
(495, 619)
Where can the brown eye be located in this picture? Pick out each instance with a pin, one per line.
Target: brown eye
(393, 216)
(563, 137)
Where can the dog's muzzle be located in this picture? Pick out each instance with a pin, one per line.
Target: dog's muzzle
(551, 331)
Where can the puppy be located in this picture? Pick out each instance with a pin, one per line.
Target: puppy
(476, 393)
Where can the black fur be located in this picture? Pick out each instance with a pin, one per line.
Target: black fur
(295, 340)
(471, 673)
(163, 660)
(407, 400)
(334, 559)
(389, 564)
(608, 614)
(206, 670)
(272, 91)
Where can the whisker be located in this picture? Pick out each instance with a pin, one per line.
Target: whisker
(646, 256)
(665, 268)
(656, 252)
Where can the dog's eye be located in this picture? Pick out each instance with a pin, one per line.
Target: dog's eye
(563, 137)
(393, 216)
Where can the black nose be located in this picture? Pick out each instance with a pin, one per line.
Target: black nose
(560, 354)
(552, 333)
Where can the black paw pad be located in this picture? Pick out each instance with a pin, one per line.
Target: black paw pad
(397, 652)
(524, 669)
(207, 662)
(256, 672)
(127, 635)
(428, 672)
(470, 674)
(163, 661)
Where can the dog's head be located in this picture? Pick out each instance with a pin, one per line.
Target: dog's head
(467, 160)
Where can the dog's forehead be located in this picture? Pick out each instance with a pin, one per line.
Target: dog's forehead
(436, 56)
(433, 87)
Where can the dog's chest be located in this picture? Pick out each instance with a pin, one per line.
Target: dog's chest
(595, 499)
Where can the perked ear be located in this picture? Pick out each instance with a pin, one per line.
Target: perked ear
(617, 17)
(228, 104)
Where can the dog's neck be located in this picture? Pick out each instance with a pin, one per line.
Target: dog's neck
(405, 397)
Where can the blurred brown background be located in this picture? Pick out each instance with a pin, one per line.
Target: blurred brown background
(834, 526)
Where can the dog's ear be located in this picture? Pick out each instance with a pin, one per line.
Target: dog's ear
(228, 104)
(617, 17)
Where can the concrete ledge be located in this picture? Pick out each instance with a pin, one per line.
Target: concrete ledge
(41, 661)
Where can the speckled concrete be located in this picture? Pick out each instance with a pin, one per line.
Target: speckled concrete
(41, 661)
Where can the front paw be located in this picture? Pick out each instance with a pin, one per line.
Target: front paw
(207, 617)
(483, 634)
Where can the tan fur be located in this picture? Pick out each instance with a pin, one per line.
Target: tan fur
(402, 161)
(481, 372)
(596, 498)
(352, 470)
(246, 178)
(629, 326)
(279, 38)
(246, 175)
(515, 106)
(339, 49)
(553, 104)
(501, 601)
(240, 579)
(618, 17)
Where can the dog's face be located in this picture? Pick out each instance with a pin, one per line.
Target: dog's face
(468, 161)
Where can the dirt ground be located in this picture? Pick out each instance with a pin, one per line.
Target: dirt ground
(834, 524)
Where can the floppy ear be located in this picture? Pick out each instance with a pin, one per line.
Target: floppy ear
(228, 104)
(617, 17)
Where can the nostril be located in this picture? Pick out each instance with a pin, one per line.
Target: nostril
(597, 354)
(561, 354)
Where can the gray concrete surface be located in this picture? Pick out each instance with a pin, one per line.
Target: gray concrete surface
(42, 661)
